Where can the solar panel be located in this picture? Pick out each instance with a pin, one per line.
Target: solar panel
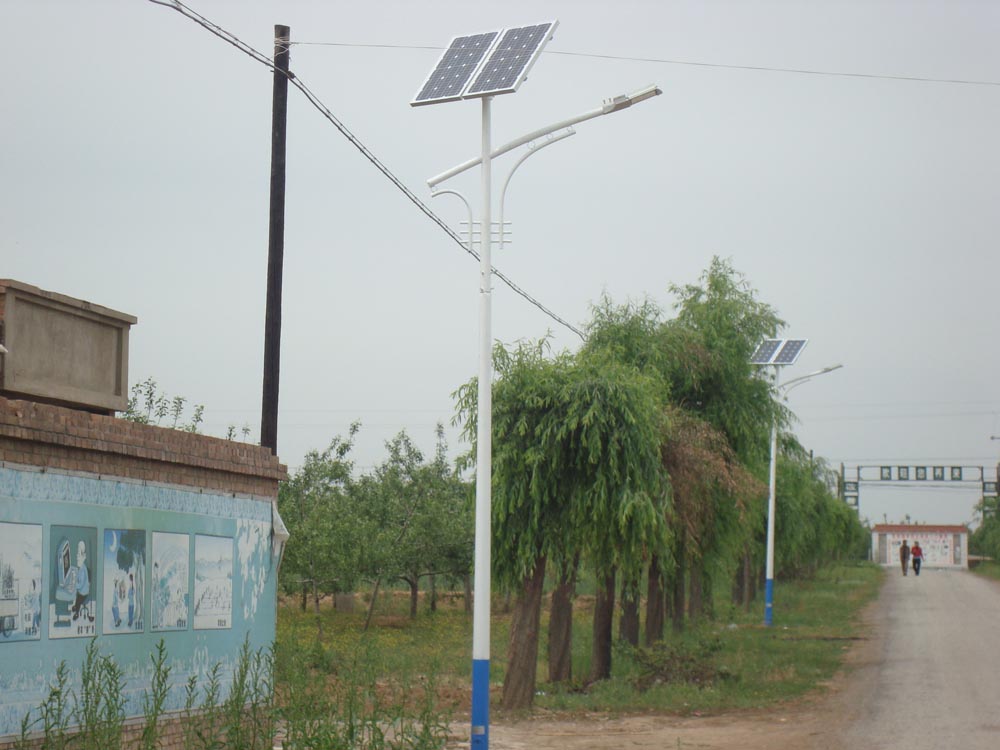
(511, 59)
(789, 352)
(765, 351)
(455, 69)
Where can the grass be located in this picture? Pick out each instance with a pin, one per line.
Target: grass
(988, 569)
(815, 622)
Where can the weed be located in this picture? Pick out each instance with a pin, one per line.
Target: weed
(689, 660)
(100, 707)
(154, 699)
(54, 713)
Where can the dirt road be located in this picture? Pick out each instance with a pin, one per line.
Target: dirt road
(927, 677)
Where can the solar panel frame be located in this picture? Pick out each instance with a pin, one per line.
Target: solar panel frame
(491, 79)
(470, 57)
(765, 351)
(789, 352)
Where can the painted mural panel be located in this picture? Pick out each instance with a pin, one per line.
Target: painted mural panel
(20, 582)
(937, 549)
(170, 590)
(253, 549)
(213, 582)
(124, 580)
(72, 589)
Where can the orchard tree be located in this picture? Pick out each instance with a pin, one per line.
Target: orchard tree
(422, 519)
(316, 503)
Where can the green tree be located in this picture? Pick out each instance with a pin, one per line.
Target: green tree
(718, 427)
(316, 503)
(719, 322)
(812, 524)
(575, 469)
(418, 517)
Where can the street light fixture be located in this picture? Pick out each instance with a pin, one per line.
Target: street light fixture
(482, 66)
(778, 353)
(614, 104)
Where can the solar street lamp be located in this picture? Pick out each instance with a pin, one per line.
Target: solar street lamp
(481, 66)
(778, 353)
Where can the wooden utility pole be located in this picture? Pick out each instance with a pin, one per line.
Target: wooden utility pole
(275, 243)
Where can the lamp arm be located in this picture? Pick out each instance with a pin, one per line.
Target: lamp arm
(532, 149)
(789, 384)
(532, 136)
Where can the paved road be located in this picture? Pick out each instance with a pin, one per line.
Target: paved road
(935, 680)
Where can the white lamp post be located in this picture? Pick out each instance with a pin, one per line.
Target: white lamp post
(779, 353)
(481, 66)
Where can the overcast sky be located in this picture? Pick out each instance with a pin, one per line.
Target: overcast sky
(135, 164)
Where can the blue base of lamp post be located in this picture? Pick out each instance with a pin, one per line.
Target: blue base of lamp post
(769, 601)
(480, 704)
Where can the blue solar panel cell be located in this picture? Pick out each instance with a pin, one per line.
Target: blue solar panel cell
(790, 351)
(456, 68)
(765, 351)
(509, 62)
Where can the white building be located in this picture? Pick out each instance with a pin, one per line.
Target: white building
(943, 546)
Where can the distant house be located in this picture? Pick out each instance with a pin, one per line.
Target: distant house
(943, 546)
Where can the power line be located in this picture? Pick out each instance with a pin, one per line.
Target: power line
(696, 64)
(871, 417)
(293, 79)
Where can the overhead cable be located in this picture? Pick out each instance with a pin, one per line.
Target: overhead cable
(697, 64)
(293, 79)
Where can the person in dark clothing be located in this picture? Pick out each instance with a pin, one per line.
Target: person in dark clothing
(904, 556)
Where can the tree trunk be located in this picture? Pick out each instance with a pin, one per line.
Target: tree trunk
(680, 573)
(654, 603)
(707, 594)
(319, 620)
(414, 595)
(739, 585)
(628, 625)
(604, 615)
(695, 603)
(746, 574)
(434, 593)
(467, 580)
(522, 659)
(371, 607)
(561, 626)
(305, 595)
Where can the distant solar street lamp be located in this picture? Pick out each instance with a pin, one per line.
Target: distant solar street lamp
(481, 66)
(778, 353)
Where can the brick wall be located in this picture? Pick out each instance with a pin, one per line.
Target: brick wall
(55, 437)
(68, 440)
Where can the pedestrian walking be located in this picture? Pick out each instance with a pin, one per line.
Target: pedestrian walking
(904, 556)
(917, 555)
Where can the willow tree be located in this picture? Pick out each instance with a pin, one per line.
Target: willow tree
(575, 470)
(631, 334)
(814, 526)
(711, 503)
(720, 321)
(720, 414)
